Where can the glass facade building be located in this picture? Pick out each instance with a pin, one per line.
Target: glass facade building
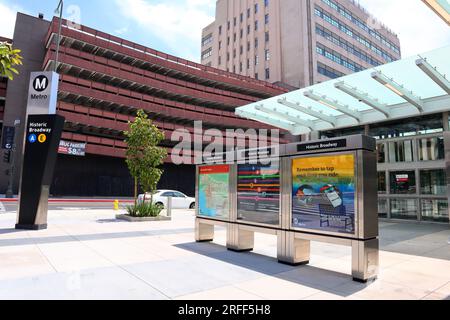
(412, 175)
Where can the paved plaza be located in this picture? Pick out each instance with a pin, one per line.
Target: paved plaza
(87, 254)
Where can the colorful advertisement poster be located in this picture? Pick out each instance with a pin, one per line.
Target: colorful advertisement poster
(323, 195)
(213, 191)
(259, 193)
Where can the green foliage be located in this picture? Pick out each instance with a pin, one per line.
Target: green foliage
(144, 210)
(9, 59)
(144, 156)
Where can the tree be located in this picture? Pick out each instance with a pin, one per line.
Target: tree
(9, 59)
(144, 156)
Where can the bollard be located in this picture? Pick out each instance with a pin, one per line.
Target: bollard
(116, 205)
(169, 207)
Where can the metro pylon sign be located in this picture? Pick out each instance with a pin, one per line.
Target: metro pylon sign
(42, 138)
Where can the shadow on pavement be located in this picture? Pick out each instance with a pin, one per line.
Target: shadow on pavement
(308, 276)
(426, 240)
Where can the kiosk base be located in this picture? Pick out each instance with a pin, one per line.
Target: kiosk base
(239, 251)
(34, 227)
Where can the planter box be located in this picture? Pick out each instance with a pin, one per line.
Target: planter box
(141, 219)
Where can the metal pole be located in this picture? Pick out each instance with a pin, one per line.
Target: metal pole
(9, 191)
(61, 7)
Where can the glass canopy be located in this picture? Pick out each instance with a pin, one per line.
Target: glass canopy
(413, 86)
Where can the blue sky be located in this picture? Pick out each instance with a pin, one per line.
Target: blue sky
(174, 26)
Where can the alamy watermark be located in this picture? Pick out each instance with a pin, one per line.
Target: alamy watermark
(211, 145)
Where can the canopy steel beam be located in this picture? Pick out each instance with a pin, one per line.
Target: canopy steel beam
(268, 120)
(309, 111)
(286, 116)
(333, 104)
(434, 74)
(398, 89)
(363, 97)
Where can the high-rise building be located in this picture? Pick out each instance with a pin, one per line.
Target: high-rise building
(298, 43)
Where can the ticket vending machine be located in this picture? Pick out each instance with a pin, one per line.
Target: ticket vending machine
(322, 191)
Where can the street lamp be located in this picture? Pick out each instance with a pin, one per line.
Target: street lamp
(59, 10)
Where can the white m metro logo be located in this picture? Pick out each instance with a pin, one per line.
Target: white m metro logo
(40, 83)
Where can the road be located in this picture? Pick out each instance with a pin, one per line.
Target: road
(6, 206)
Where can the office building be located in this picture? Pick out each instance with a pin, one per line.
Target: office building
(298, 43)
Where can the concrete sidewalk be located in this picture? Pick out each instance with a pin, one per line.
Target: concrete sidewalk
(90, 255)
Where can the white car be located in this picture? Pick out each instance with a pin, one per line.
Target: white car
(179, 200)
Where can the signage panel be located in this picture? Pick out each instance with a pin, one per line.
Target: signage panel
(42, 93)
(322, 145)
(258, 193)
(323, 193)
(214, 191)
(41, 145)
(72, 148)
(8, 137)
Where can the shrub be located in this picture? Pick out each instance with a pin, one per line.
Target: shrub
(144, 210)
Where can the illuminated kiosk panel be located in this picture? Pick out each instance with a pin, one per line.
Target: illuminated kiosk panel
(323, 193)
(258, 193)
(214, 192)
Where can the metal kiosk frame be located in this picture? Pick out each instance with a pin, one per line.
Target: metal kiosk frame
(294, 243)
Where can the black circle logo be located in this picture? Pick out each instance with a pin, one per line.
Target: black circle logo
(40, 83)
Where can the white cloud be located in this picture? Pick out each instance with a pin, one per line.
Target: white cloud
(176, 23)
(419, 29)
(7, 19)
(121, 31)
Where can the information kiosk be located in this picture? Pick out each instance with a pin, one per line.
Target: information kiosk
(322, 191)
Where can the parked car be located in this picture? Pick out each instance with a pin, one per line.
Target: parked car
(179, 199)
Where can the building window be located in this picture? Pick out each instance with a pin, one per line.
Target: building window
(267, 36)
(403, 182)
(266, 3)
(234, 69)
(248, 45)
(267, 74)
(382, 208)
(220, 30)
(241, 34)
(241, 49)
(248, 29)
(207, 53)
(381, 153)
(207, 39)
(234, 37)
(256, 8)
(267, 55)
(401, 151)
(228, 40)
(242, 17)
(234, 21)
(256, 25)
(266, 19)
(256, 60)
(248, 64)
(435, 210)
(404, 209)
(328, 72)
(256, 76)
(228, 25)
(414, 126)
(433, 182)
(431, 149)
(234, 53)
(241, 67)
(228, 56)
(256, 42)
(248, 13)
(382, 183)
(220, 60)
